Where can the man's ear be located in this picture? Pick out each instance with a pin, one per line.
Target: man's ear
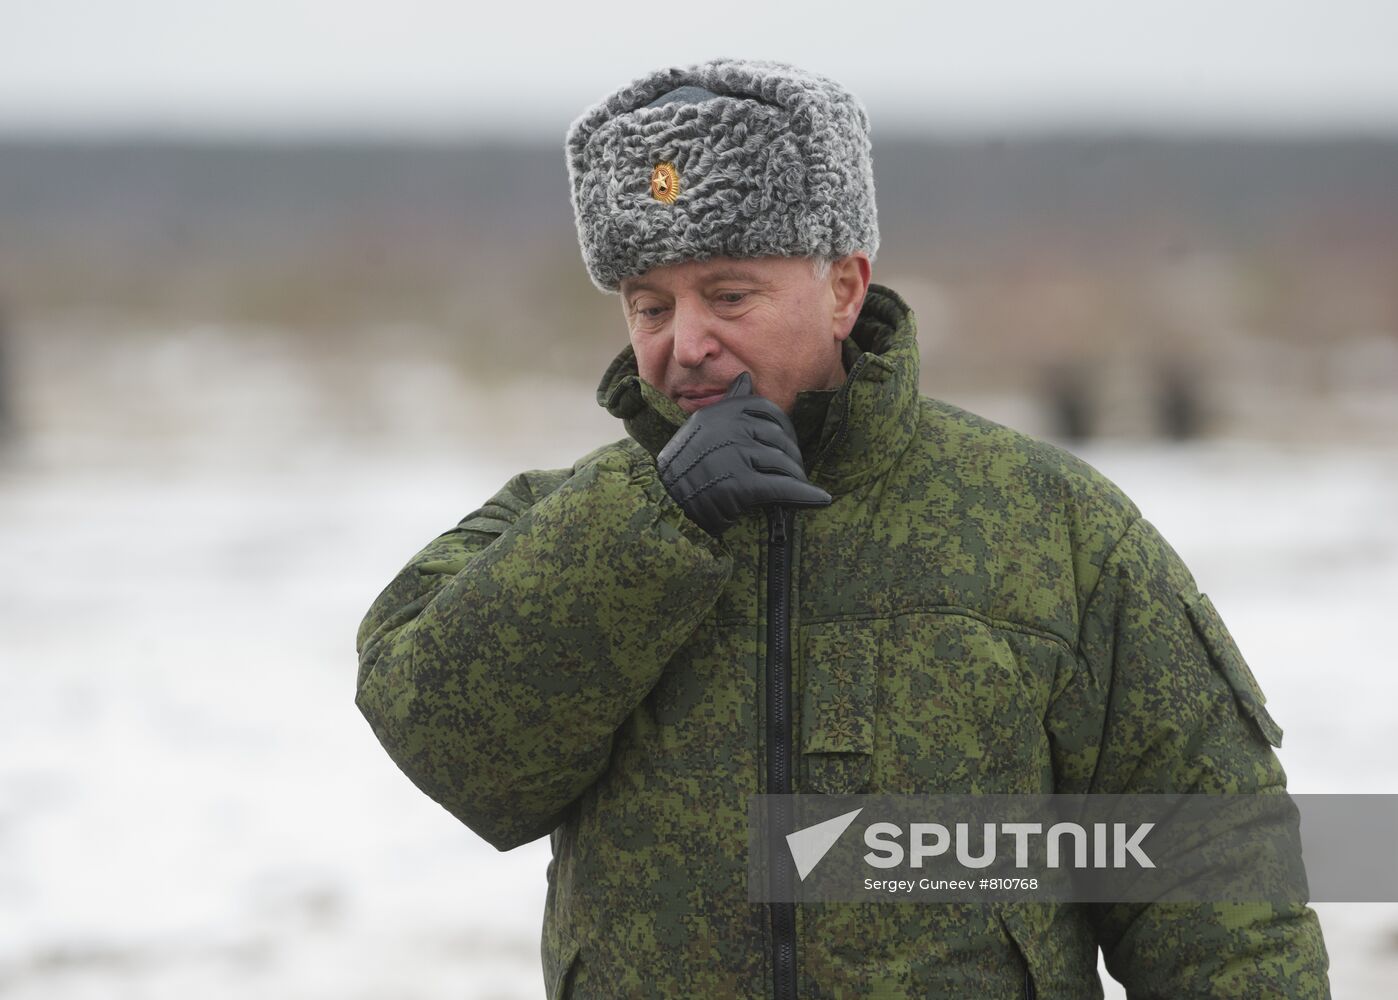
(849, 281)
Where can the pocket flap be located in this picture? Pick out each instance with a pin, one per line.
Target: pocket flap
(839, 664)
(1225, 655)
(840, 671)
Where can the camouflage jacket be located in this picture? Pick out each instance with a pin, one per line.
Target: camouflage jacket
(975, 612)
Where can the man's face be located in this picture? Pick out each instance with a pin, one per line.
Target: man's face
(696, 326)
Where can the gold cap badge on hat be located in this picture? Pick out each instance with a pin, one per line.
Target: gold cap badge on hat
(665, 183)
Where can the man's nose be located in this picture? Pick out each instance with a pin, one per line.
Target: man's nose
(694, 336)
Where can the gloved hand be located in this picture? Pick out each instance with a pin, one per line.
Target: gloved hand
(735, 455)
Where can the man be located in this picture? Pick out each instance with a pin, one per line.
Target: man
(796, 574)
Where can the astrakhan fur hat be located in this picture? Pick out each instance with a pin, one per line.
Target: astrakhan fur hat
(730, 158)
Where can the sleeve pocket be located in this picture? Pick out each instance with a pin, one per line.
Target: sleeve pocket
(840, 664)
(1228, 659)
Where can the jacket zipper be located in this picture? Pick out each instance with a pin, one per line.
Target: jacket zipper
(783, 914)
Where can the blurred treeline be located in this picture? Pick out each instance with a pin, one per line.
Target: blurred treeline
(1178, 286)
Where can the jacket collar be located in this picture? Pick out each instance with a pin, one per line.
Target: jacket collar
(848, 435)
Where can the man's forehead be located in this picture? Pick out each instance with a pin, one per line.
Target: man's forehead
(756, 271)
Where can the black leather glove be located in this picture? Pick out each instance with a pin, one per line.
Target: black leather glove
(735, 455)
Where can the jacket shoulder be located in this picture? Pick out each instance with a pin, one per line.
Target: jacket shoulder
(624, 451)
(1039, 489)
(982, 446)
(531, 486)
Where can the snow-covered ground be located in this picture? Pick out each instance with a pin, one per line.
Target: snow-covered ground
(192, 526)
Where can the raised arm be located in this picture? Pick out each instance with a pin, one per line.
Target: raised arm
(497, 665)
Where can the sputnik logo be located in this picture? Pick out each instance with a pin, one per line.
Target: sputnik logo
(812, 843)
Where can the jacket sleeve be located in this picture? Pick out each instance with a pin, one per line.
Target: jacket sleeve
(497, 665)
(1164, 703)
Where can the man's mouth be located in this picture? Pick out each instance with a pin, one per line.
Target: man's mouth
(694, 399)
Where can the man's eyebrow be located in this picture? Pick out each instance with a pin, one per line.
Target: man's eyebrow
(736, 274)
(639, 285)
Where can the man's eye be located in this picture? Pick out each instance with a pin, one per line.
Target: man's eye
(650, 312)
(731, 298)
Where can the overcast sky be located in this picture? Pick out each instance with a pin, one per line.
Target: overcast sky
(454, 67)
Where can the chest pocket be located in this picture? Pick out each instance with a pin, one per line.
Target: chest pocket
(923, 703)
(839, 674)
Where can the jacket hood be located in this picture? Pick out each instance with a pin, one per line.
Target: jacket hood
(848, 434)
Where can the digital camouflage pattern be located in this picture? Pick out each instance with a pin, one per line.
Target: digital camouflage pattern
(976, 612)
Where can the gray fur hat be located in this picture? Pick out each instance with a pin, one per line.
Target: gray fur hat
(730, 158)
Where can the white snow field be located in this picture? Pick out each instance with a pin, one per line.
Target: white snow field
(192, 525)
